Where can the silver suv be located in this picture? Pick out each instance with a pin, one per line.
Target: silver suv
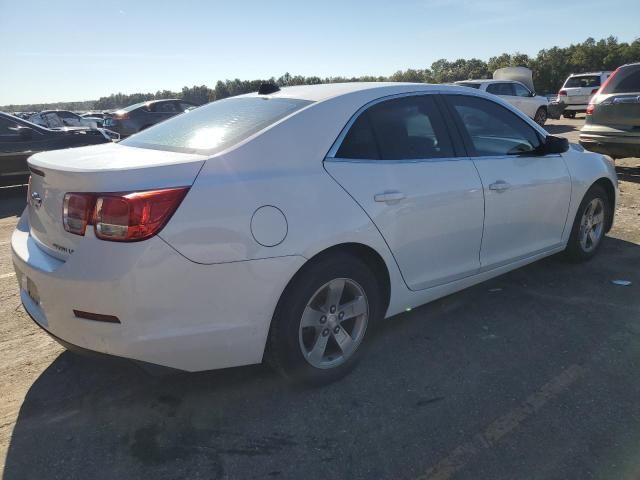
(612, 125)
(578, 90)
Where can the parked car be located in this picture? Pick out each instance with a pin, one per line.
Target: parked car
(60, 119)
(96, 117)
(286, 222)
(577, 90)
(612, 125)
(517, 94)
(19, 139)
(139, 116)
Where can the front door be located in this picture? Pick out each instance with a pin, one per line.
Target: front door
(526, 194)
(397, 161)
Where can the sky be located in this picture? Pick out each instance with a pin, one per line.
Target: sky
(68, 50)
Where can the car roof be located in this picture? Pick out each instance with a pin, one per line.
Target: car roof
(487, 80)
(589, 73)
(325, 91)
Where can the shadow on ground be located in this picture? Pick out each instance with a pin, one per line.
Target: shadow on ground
(628, 174)
(430, 380)
(12, 201)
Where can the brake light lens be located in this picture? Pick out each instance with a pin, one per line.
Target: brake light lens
(122, 217)
(562, 93)
(590, 108)
(594, 91)
(76, 212)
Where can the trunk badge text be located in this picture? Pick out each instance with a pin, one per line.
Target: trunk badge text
(36, 200)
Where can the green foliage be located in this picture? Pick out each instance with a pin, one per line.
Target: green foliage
(550, 68)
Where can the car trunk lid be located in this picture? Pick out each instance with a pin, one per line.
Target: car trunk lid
(97, 169)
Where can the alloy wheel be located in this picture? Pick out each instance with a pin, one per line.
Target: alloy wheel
(333, 323)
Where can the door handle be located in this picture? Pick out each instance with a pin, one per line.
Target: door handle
(389, 197)
(499, 186)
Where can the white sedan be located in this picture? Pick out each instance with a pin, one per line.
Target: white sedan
(280, 224)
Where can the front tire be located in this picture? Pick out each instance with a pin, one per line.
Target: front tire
(569, 114)
(541, 116)
(589, 225)
(318, 330)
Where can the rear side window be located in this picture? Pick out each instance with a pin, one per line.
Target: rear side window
(217, 125)
(500, 89)
(583, 81)
(625, 80)
(407, 128)
(164, 107)
(470, 85)
(360, 143)
(494, 130)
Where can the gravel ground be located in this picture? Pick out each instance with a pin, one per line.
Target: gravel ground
(530, 375)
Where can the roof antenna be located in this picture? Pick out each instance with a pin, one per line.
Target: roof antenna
(267, 88)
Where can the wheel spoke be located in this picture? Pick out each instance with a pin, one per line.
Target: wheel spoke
(354, 308)
(598, 218)
(317, 352)
(592, 236)
(336, 288)
(343, 339)
(311, 318)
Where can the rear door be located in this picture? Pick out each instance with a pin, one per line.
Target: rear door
(14, 151)
(619, 102)
(397, 160)
(526, 194)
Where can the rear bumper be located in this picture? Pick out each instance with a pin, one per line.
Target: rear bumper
(612, 145)
(172, 312)
(578, 108)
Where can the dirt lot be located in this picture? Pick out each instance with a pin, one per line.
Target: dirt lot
(531, 375)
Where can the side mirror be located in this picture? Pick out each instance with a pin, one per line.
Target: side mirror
(532, 94)
(554, 144)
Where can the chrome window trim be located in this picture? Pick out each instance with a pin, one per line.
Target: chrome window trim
(331, 155)
(394, 162)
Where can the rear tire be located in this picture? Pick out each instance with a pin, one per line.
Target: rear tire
(541, 116)
(569, 114)
(589, 225)
(319, 327)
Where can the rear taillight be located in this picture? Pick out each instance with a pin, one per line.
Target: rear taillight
(562, 93)
(590, 108)
(594, 91)
(77, 210)
(121, 217)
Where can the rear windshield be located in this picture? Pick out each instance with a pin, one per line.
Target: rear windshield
(217, 125)
(625, 80)
(583, 81)
(470, 85)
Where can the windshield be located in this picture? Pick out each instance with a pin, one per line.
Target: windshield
(583, 81)
(217, 125)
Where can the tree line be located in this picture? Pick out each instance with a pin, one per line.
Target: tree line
(550, 68)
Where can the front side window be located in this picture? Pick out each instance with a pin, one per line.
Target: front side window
(469, 84)
(521, 90)
(53, 120)
(217, 125)
(494, 130)
(407, 128)
(500, 89)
